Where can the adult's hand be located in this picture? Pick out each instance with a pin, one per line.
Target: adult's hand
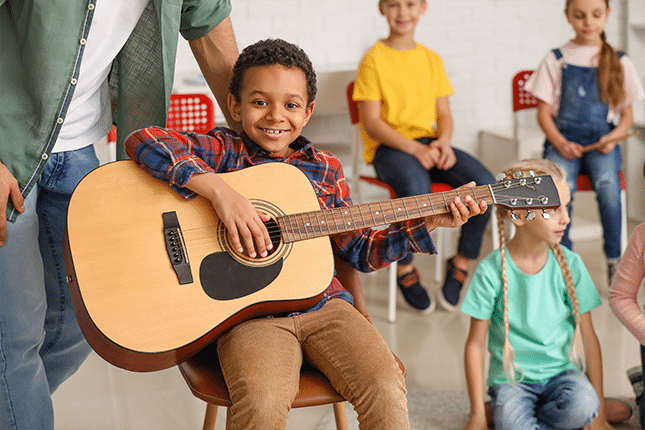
(9, 189)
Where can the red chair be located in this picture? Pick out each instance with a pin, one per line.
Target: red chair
(191, 112)
(522, 100)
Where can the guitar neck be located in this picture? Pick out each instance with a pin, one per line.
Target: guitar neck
(325, 222)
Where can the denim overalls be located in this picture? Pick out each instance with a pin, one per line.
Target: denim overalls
(582, 118)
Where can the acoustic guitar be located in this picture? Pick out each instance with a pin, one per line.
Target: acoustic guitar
(154, 277)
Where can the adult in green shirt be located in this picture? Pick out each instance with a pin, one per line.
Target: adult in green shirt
(69, 69)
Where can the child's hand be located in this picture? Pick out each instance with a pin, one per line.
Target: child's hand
(460, 211)
(570, 150)
(244, 223)
(427, 155)
(607, 148)
(447, 157)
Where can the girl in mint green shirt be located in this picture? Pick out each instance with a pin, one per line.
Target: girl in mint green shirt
(532, 298)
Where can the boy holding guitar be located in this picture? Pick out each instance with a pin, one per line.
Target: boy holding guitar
(272, 94)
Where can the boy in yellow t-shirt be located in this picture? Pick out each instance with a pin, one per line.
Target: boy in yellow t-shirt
(402, 92)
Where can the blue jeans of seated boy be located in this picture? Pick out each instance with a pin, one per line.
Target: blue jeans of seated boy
(41, 344)
(567, 401)
(407, 176)
(603, 170)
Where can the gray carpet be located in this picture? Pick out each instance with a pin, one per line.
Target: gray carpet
(442, 410)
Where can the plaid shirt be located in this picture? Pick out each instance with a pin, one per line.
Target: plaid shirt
(175, 156)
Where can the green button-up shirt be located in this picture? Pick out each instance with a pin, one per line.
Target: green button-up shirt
(41, 48)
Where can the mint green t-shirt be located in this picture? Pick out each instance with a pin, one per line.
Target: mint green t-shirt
(540, 314)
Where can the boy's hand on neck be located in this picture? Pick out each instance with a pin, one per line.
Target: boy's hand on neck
(460, 211)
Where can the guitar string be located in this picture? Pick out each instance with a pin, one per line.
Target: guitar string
(309, 230)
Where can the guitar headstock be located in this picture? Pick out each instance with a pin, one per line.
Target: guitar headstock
(527, 191)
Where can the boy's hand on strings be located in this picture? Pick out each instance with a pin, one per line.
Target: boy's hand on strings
(245, 224)
(9, 189)
(460, 210)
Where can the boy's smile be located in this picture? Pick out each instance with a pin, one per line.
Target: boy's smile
(273, 106)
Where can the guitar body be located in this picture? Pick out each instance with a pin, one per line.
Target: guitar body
(129, 300)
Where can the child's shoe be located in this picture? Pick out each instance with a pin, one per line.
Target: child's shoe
(414, 293)
(451, 290)
(635, 375)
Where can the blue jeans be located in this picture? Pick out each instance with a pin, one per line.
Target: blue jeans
(405, 174)
(640, 400)
(41, 344)
(567, 401)
(603, 170)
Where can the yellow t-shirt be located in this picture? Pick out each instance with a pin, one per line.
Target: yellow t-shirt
(408, 84)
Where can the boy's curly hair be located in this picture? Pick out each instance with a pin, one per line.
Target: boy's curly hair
(269, 52)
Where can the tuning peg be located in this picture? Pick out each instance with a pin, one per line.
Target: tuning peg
(517, 175)
(545, 214)
(514, 216)
(500, 177)
(530, 216)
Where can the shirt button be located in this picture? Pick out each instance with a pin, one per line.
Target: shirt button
(83, 41)
(59, 120)
(74, 81)
(44, 156)
(90, 6)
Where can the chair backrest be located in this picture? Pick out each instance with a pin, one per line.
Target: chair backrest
(522, 99)
(191, 112)
(351, 104)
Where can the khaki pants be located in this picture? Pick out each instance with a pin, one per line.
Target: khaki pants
(261, 361)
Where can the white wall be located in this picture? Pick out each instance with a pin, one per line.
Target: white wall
(482, 42)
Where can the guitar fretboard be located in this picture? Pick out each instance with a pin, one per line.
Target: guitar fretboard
(308, 225)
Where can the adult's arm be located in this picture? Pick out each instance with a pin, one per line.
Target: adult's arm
(216, 53)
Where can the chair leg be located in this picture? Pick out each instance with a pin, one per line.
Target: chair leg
(391, 301)
(340, 416)
(211, 416)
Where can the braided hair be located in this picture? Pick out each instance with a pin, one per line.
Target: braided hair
(576, 350)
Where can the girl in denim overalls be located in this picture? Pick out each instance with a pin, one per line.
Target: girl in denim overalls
(585, 90)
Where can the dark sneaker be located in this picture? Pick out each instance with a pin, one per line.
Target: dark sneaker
(451, 290)
(414, 293)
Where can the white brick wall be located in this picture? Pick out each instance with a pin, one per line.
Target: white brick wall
(482, 42)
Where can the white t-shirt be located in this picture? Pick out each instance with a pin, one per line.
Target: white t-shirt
(89, 117)
(546, 82)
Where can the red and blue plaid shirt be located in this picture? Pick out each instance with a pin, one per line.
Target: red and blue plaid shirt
(175, 156)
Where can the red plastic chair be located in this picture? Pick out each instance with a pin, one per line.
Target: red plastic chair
(522, 99)
(191, 112)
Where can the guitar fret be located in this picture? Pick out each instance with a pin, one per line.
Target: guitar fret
(372, 214)
(360, 214)
(290, 229)
(393, 210)
(380, 204)
(313, 225)
(321, 223)
(416, 200)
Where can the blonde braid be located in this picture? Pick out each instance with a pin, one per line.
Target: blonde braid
(508, 353)
(576, 350)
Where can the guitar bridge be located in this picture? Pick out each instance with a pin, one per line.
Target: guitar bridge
(176, 248)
